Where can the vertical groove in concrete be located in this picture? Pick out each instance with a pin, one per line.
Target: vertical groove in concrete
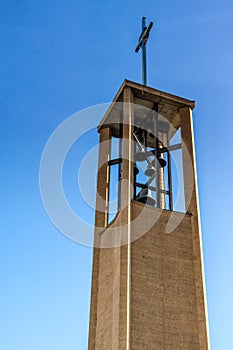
(128, 175)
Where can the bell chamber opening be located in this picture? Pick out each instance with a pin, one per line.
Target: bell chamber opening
(157, 176)
(153, 132)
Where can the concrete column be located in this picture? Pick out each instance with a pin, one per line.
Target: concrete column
(127, 148)
(125, 230)
(192, 206)
(100, 222)
(103, 178)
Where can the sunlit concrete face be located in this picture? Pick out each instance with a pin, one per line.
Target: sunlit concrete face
(147, 284)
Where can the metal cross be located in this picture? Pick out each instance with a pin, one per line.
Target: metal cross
(142, 44)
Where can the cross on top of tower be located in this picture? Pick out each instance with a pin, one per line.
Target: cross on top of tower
(142, 44)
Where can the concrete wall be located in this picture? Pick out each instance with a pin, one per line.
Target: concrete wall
(163, 295)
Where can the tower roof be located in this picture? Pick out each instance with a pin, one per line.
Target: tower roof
(147, 97)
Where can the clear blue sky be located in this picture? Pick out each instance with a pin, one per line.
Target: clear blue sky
(58, 57)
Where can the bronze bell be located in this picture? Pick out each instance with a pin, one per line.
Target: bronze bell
(150, 170)
(136, 170)
(162, 162)
(146, 197)
(140, 156)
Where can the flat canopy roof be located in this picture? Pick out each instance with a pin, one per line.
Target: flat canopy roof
(168, 104)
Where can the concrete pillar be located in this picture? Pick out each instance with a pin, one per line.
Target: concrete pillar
(192, 206)
(100, 222)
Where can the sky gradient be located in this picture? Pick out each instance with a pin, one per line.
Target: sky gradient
(60, 57)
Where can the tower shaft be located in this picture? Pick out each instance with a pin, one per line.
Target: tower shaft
(148, 287)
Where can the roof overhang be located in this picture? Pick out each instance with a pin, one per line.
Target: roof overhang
(145, 96)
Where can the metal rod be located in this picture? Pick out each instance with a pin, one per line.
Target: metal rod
(143, 148)
(169, 173)
(134, 174)
(156, 124)
(152, 188)
(119, 160)
(115, 161)
(170, 148)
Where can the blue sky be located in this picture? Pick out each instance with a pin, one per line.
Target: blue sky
(58, 57)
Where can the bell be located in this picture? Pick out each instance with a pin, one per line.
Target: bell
(150, 170)
(140, 156)
(136, 170)
(146, 197)
(162, 162)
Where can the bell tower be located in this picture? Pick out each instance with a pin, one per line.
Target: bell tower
(148, 283)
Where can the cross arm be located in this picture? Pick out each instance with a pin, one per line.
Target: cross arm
(144, 36)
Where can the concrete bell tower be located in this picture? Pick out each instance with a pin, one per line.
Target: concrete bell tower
(148, 282)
